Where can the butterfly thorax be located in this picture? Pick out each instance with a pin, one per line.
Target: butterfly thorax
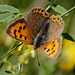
(38, 41)
(41, 36)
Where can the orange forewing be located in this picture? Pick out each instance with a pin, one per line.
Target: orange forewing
(20, 31)
(52, 48)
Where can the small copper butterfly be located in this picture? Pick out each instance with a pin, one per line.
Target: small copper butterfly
(41, 30)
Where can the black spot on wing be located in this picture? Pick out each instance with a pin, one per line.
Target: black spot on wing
(54, 45)
(38, 9)
(48, 50)
(19, 31)
(20, 35)
(58, 19)
(20, 27)
(53, 42)
(52, 52)
(42, 10)
(15, 31)
(45, 48)
(24, 27)
(25, 38)
(52, 48)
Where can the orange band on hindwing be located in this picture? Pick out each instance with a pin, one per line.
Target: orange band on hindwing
(40, 11)
(56, 19)
(20, 31)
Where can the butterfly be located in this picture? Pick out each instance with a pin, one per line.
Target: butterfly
(41, 30)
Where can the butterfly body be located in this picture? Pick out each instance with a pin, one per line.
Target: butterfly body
(39, 31)
(41, 36)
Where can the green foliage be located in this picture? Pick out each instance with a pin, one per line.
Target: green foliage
(6, 17)
(16, 72)
(68, 37)
(5, 74)
(59, 9)
(9, 14)
(7, 8)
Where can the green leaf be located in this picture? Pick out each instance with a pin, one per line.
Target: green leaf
(11, 9)
(68, 37)
(5, 74)
(6, 17)
(59, 9)
(13, 18)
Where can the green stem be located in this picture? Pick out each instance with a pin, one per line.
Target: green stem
(65, 12)
(5, 59)
(10, 51)
(68, 11)
(23, 14)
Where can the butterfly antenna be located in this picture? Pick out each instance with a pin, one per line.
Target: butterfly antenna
(37, 58)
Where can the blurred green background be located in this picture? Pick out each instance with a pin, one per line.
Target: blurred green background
(64, 65)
